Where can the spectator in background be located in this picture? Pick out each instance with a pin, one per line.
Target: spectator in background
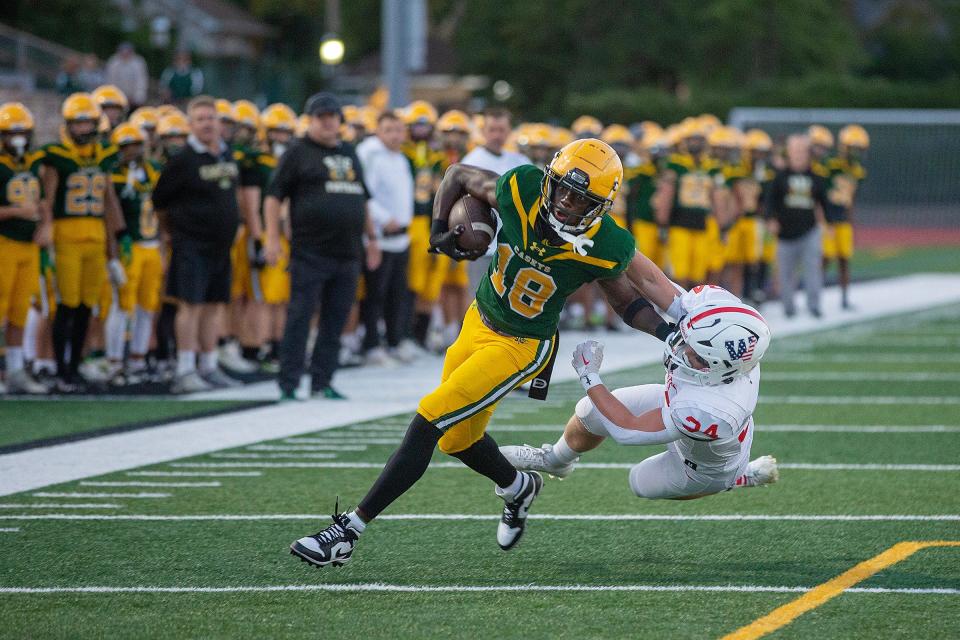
(91, 74)
(68, 80)
(389, 178)
(181, 81)
(323, 180)
(794, 212)
(128, 71)
(492, 157)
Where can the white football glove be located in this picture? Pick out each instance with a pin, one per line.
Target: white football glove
(117, 275)
(587, 358)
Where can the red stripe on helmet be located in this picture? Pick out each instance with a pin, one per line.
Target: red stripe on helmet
(712, 312)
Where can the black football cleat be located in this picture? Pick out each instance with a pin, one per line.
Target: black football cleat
(514, 517)
(331, 546)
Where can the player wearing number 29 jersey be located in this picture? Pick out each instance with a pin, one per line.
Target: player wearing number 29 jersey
(555, 236)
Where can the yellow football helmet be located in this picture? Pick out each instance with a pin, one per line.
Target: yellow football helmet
(15, 118)
(757, 140)
(109, 95)
(246, 114)
(127, 133)
(351, 114)
(174, 124)
(368, 117)
(279, 116)
(727, 137)
(592, 170)
(617, 134)
(853, 135)
(454, 120)
(146, 118)
(167, 109)
(303, 122)
(708, 122)
(224, 109)
(586, 127)
(80, 106)
(561, 137)
(820, 136)
(420, 112)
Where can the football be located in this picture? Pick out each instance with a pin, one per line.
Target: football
(479, 225)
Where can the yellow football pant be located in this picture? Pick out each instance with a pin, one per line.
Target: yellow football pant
(240, 278)
(480, 368)
(647, 235)
(426, 272)
(688, 250)
(717, 248)
(743, 241)
(81, 270)
(19, 279)
(144, 280)
(838, 241)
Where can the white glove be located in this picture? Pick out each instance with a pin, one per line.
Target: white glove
(587, 358)
(117, 275)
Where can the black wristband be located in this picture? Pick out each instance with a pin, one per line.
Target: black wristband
(633, 309)
(663, 330)
(438, 226)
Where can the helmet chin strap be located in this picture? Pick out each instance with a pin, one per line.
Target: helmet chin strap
(580, 242)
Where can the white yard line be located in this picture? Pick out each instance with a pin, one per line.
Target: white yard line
(860, 376)
(9, 529)
(74, 494)
(196, 474)
(87, 483)
(365, 441)
(307, 447)
(904, 400)
(582, 465)
(861, 358)
(416, 588)
(54, 505)
(632, 517)
(267, 456)
(382, 393)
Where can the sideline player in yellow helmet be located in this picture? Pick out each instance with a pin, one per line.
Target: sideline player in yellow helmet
(821, 142)
(724, 144)
(20, 205)
(83, 216)
(228, 126)
(172, 132)
(643, 185)
(555, 237)
(113, 104)
(844, 173)
(454, 128)
(586, 126)
(746, 237)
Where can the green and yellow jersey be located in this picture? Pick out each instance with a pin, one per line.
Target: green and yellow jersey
(692, 197)
(134, 186)
(529, 279)
(843, 177)
(642, 183)
(83, 178)
(428, 166)
(19, 186)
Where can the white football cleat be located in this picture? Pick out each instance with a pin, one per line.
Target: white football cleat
(527, 458)
(513, 520)
(762, 471)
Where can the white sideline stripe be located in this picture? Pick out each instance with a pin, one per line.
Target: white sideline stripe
(904, 400)
(583, 465)
(74, 494)
(413, 588)
(307, 447)
(262, 456)
(365, 441)
(86, 483)
(197, 474)
(54, 505)
(633, 517)
(9, 529)
(846, 376)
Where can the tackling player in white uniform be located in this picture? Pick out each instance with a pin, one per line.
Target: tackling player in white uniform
(703, 412)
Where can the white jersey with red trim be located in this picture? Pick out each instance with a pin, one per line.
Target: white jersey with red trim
(715, 423)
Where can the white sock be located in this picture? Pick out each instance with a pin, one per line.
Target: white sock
(562, 453)
(186, 362)
(116, 333)
(513, 489)
(30, 334)
(41, 365)
(142, 329)
(208, 361)
(14, 359)
(355, 522)
(136, 363)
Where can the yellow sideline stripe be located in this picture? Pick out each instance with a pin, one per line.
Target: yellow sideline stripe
(782, 616)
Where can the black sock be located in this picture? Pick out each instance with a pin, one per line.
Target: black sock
(251, 353)
(166, 336)
(484, 457)
(274, 353)
(62, 329)
(404, 468)
(421, 326)
(78, 336)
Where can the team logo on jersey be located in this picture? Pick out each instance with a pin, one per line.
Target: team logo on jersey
(741, 349)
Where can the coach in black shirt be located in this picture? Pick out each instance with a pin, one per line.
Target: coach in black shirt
(196, 197)
(794, 212)
(323, 181)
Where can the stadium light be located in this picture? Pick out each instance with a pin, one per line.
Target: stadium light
(331, 50)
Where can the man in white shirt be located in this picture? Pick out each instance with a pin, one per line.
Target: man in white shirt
(492, 157)
(389, 179)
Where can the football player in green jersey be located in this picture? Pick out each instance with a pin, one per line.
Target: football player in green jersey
(555, 236)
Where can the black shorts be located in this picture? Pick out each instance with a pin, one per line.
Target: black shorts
(199, 272)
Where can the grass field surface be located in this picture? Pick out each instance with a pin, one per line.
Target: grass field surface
(864, 420)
